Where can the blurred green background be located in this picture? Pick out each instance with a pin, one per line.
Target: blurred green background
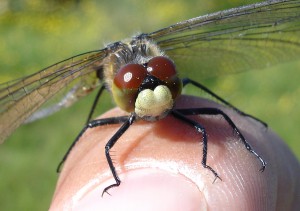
(37, 33)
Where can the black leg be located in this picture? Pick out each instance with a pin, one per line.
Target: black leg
(94, 123)
(200, 129)
(215, 111)
(110, 144)
(95, 104)
(186, 81)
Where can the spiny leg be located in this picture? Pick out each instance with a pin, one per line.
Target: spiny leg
(186, 81)
(92, 124)
(95, 104)
(215, 111)
(108, 147)
(201, 130)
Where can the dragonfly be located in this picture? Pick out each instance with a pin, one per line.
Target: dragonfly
(151, 69)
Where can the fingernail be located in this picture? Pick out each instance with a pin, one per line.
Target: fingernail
(146, 189)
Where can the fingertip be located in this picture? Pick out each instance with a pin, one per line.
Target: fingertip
(153, 145)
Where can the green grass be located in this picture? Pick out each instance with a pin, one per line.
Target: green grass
(36, 33)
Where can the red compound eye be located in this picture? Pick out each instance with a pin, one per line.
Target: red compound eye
(162, 68)
(126, 84)
(130, 76)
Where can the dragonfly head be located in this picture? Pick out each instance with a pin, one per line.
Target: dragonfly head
(148, 89)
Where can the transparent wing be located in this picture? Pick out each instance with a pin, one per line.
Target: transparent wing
(68, 98)
(20, 98)
(234, 40)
